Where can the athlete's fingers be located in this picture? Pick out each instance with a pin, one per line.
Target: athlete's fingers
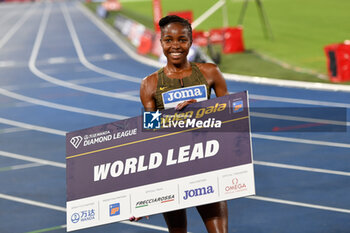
(184, 104)
(134, 219)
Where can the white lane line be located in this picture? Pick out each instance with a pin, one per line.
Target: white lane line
(145, 225)
(30, 202)
(31, 159)
(39, 74)
(15, 27)
(12, 130)
(47, 85)
(299, 101)
(287, 83)
(56, 60)
(8, 15)
(296, 118)
(62, 209)
(298, 140)
(81, 55)
(19, 167)
(209, 12)
(110, 32)
(60, 106)
(32, 127)
(7, 63)
(301, 204)
(301, 168)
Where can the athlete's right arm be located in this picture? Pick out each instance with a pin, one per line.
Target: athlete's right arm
(147, 91)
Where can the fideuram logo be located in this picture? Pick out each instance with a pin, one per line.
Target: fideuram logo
(75, 141)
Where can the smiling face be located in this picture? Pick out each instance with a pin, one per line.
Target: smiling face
(176, 42)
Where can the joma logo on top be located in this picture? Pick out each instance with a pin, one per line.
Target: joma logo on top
(184, 94)
(193, 92)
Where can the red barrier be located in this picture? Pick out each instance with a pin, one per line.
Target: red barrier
(146, 42)
(200, 38)
(216, 36)
(112, 5)
(338, 61)
(233, 40)
(157, 13)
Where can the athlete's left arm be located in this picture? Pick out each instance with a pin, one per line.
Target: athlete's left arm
(214, 78)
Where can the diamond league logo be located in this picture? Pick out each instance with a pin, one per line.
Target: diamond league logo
(75, 141)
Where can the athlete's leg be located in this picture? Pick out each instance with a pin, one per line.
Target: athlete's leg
(215, 217)
(176, 221)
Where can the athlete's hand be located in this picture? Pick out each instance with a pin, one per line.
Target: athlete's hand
(180, 106)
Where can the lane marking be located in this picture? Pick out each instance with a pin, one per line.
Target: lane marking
(297, 118)
(32, 127)
(7, 16)
(30, 202)
(56, 60)
(301, 204)
(112, 34)
(49, 229)
(207, 13)
(15, 27)
(32, 159)
(299, 101)
(81, 55)
(7, 63)
(60, 106)
(19, 167)
(301, 168)
(12, 130)
(48, 78)
(298, 140)
(47, 84)
(287, 83)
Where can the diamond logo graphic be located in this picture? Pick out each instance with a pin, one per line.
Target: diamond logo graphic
(75, 141)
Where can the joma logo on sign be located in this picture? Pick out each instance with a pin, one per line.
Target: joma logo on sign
(75, 141)
(198, 192)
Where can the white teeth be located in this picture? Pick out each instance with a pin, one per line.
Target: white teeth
(176, 54)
